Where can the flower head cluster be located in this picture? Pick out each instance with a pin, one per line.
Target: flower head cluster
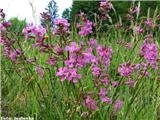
(68, 74)
(33, 31)
(105, 55)
(45, 16)
(51, 61)
(90, 103)
(118, 104)
(139, 30)
(125, 69)
(4, 25)
(148, 23)
(105, 5)
(104, 8)
(13, 54)
(39, 71)
(61, 27)
(149, 51)
(103, 96)
(86, 26)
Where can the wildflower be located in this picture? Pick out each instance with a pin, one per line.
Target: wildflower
(4, 25)
(114, 84)
(92, 42)
(69, 74)
(125, 69)
(105, 55)
(103, 92)
(139, 30)
(103, 96)
(149, 52)
(40, 71)
(45, 16)
(61, 27)
(96, 70)
(90, 103)
(105, 5)
(106, 99)
(58, 50)
(148, 22)
(73, 47)
(118, 104)
(130, 82)
(15, 54)
(129, 17)
(33, 31)
(105, 81)
(51, 61)
(86, 28)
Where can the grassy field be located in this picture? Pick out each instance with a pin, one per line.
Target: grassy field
(31, 87)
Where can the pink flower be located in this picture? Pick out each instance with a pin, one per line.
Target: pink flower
(4, 25)
(73, 47)
(68, 73)
(118, 104)
(148, 22)
(51, 61)
(149, 52)
(40, 71)
(90, 103)
(33, 31)
(61, 27)
(15, 54)
(103, 92)
(92, 42)
(125, 69)
(139, 30)
(96, 70)
(86, 28)
(114, 84)
(105, 5)
(130, 82)
(103, 96)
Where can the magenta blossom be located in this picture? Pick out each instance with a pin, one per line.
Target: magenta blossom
(61, 27)
(118, 104)
(39, 71)
(139, 30)
(86, 28)
(125, 69)
(69, 74)
(34, 31)
(148, 22)
(90, 103)
(149, 51)
(51, 61)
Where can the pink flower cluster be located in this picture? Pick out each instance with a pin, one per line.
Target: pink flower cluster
(125, 69)
(105, 5)
(103, 96)
(13, 54)
(4, 25)
(33, 31)
(86, 27)
(139, 30)
(61, 27)
(149, 52)
(90, 103)
(68, 73)
(148, 23)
